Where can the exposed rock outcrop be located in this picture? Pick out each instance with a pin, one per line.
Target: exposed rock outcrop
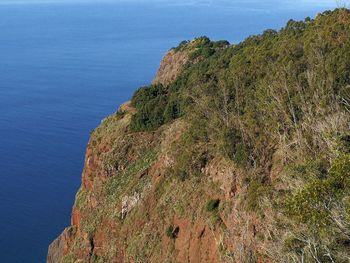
(60, 246)
(171, 66)
(129, 198)
(244, 158)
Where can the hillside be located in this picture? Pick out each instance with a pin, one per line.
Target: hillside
(235, 153)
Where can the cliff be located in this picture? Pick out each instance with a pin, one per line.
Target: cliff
(235, 153)
(170, 67)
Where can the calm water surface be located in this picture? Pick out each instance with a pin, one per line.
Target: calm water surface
(64, 67)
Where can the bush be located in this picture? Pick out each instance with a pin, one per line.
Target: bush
(150, 103)
(256, 191)
(181, 46)
(172, 232)
(241, 156)
(169, 232)
(213, 205)
(313, 203)
(322, 209)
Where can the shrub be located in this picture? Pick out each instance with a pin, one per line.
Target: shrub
(213, 205)
(172, 232)
(150, 103)
(256, 191)
(169, 232)
(313, 203)
(181, 46)
(241, 156)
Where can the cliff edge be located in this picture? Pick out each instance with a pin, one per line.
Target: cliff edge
(235, 153)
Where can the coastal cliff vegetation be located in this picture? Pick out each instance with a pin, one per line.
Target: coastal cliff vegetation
(241, 154)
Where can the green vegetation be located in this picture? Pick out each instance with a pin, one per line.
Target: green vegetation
(151, 103)
(275, 109)
(322, 206)
(314, 201)
(69, 259)
(266, 90)
(170, 232)
(213, 208)
(256, 191)
(213, 205)
(287, 91)
(80, 198)
(158, 105)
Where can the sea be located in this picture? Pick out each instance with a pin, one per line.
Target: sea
(64, 66)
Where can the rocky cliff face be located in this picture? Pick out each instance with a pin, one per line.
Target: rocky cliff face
(130, 209)
(170, 67)
(242, 154)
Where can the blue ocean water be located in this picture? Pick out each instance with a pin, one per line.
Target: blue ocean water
(64, 67)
